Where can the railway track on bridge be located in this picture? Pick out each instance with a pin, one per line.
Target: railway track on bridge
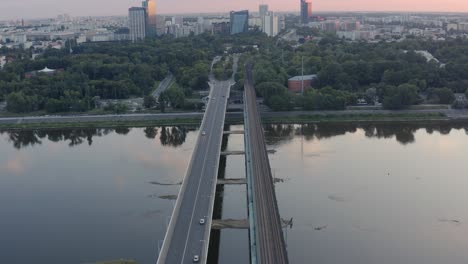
(270, 245)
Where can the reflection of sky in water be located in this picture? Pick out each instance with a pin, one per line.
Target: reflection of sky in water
(358, 194)
(365, 194)
(63, 204)
(382, 200)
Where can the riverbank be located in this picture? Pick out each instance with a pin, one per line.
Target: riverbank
(174, 119)
(403, 117)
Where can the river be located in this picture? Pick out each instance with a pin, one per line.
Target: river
(371, 193)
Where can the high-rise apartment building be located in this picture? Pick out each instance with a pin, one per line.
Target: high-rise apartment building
(262, 10)
(137, 23)
(270, 24)
(151, 21)
(306, 11)
(239, 21)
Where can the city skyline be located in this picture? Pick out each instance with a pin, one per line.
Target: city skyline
(12, 9)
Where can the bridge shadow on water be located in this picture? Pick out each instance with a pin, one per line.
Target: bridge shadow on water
(215, 237)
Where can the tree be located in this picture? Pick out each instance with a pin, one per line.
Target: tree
(56, 105)
(280, 103)
(120, 108)
(176, 97)
(149, 101)
(325, 99)
(22, 103)
(371, 95)
(162, 100)
(443, 95)
(269, 89)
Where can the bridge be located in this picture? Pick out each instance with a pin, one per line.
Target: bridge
(267, 243)
(188, 234)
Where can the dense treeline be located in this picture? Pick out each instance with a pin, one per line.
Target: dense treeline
(105, 70)
(114, 71)
(222, 70)
(393, 73)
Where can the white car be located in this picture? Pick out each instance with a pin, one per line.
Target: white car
(202, 221)
(203, 133)
(196, 258)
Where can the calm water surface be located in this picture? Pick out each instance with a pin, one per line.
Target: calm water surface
(357, 193)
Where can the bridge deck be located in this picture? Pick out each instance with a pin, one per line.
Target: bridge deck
(185, 236)
(269, 245)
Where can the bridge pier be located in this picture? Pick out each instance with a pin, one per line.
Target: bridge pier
(234, 132)
(219, 224)
(240, 152)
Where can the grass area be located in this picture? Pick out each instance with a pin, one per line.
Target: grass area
(356, 107)
(358, 117)
(155, 86)
(403, 117)
(429, 107)
(104, 124)
(174, 85)
(97, 111)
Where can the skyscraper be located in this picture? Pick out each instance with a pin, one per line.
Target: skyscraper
(306, 11)
(262, 10)
(151, 23)
(137, 23)
(270, 24)
(239, 21)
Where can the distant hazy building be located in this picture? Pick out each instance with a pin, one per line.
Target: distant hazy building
(255, 22)
(239, 21)
(222, 28)
(137, 23)
(355, 35)
(463, 26)
(330, 26)
(350, 25)
(306, 11)
(151, 20)
(161, 27)
(270, 24)
(452, 27)
(262, 10)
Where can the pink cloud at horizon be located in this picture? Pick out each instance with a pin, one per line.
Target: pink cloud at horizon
(168, 6)
(14, 9)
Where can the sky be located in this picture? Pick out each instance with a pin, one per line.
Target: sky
(17, 9)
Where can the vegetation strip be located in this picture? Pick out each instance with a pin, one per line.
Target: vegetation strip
(196, 121)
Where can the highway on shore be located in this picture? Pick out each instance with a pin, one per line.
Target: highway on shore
(270, 244)
(186, 236)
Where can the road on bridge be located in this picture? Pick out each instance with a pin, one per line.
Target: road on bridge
(186, 236)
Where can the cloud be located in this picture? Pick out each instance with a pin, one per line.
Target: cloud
(14, 9)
